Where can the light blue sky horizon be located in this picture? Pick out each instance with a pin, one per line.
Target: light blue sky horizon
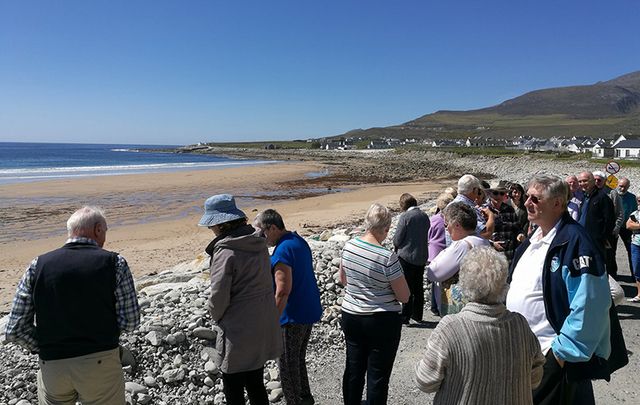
(180, 72)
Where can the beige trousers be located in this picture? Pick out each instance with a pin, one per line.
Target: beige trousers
(94, 379)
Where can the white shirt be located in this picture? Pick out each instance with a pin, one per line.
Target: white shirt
(525, 293)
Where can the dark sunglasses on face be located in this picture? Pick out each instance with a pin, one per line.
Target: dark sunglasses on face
(498, 192)
(534, 199)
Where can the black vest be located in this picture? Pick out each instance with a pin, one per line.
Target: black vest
(75, 302)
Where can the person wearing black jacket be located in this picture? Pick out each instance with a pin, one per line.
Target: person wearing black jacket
(597, 212)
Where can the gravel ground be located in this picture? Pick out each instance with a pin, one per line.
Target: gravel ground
(326, 380)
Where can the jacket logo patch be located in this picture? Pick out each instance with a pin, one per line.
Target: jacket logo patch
(582, 262)
(555, 264)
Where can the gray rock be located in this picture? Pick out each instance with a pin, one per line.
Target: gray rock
(154, 337)
(204, 333)
(210, 367)
(173, 375)
(127, 358)
(135, 388)
(150, 381)
(209, 382)
(143, 399)
(275, 395)
(271, 385)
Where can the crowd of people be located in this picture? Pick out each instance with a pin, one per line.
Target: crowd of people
(522, 276)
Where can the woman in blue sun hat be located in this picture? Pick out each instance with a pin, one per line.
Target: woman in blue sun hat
(241, 302)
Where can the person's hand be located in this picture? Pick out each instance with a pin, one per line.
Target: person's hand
(497, 245)
(520, 237)
(486, 212)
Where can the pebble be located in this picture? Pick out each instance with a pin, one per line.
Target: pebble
(135, 388)
(275, 395)
(204, 333)
(210, 367)
(150, 381)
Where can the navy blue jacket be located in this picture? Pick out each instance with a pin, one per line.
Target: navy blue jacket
(576, 295)
(600, 217)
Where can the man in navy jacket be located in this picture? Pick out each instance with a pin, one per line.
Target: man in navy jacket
(559, 284)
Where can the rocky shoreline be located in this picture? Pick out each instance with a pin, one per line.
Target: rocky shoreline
(170, 360)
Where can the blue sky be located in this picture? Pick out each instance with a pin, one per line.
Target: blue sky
(179, 72)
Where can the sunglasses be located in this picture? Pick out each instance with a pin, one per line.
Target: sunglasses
(534, 199)
(498, 192)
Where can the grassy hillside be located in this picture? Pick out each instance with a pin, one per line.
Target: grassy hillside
(603, 109)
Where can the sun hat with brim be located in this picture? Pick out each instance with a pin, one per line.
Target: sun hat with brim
(501, 185)
(219, 209)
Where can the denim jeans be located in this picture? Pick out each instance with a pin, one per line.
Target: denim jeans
(372, 343)
(635, 261)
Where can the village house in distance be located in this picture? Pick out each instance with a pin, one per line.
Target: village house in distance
(621, 147)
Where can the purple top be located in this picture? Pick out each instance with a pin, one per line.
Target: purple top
(436, 235)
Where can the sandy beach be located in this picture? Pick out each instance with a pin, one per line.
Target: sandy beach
(152, 217)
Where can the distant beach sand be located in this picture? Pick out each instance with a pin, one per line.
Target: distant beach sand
(153, 217)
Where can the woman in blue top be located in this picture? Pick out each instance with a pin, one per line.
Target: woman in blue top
(371, 320)
(297, 299)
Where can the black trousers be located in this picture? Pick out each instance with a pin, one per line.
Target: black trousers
(372, 343)
(415, 278)
(234, 385)
(556, 389)
(625, 235)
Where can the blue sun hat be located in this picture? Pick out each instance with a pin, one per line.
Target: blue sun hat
(219, 209)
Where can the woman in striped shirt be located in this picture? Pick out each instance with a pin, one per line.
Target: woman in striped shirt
(371, 321)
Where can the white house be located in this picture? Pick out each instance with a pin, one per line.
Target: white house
(628, 148)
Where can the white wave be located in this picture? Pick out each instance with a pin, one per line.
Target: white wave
(125, 150)
(126, 168)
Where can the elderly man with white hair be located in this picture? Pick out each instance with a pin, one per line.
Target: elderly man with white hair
(596, 212)
(485, 354)
(469, 188)
(82, 296)
(559, 284)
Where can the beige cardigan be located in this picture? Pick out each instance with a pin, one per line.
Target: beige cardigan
(242, 301)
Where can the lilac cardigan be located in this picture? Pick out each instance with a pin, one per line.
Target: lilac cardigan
(436, 236)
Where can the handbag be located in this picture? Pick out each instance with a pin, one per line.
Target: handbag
(452, 300)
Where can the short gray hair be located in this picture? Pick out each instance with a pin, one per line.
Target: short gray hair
(269, 217)
(460, 213)
(483, 275)
(600, 173)
(552, 186)
(377, 217)
(84, 219)
(467, 183)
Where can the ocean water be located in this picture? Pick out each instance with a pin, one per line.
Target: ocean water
(27, 162)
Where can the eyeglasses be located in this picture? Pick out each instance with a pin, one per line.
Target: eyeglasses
(498, 192)
(534, 199)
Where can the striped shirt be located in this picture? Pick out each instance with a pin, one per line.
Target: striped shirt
(21, 328)
(369, 269)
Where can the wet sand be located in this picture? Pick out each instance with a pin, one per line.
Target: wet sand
(152, 217)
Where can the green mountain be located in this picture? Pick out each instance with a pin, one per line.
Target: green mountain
(603, 110)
